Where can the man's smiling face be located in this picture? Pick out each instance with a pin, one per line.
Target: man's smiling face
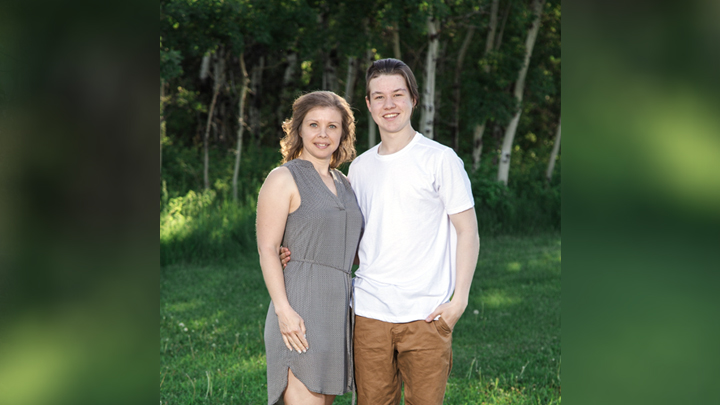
(390, 103)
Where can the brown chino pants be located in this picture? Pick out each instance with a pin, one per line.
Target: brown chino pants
(418, 354)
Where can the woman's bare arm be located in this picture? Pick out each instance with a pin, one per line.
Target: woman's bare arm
(277, 198)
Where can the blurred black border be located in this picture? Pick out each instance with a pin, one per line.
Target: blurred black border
(79, 164)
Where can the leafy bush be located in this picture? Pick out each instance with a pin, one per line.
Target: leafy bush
(527, 205)
(199, 227)
(208, 225)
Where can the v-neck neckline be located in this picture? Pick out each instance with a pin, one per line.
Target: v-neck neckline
(322, 183)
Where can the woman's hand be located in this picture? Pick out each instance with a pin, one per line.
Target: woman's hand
(292, 327)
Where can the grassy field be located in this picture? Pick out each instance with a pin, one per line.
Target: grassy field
(506, 346)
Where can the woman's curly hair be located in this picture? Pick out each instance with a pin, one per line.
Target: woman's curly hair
(291, 144)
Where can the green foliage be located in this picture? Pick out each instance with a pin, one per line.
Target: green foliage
(199, 227)
(527, 205)
(275, 29)
(182, 169)
(170, 64)
(506, 347)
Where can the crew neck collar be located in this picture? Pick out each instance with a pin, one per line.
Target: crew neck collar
(399, 153)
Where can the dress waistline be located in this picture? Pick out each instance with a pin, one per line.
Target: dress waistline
(321, 264)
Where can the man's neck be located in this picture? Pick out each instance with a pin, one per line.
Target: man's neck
(394, 142)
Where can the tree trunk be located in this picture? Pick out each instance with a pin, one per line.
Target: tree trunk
(162, 121)
(491, 29)
(329, 78)
(285, 92)
(480, 128)
(439, 66)
(255, 83)
(241, 126)
(205, 66)
(206, 155)
(370, 58)
(477, 144)
(396, 41)
(350, 79)
(456, 85)
(502, 26)
(504, 164)
(553, 155)
(428, 102)
(218, 73)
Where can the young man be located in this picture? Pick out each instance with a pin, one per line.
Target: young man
(419, 249)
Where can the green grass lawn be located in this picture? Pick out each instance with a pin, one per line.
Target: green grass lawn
(506, 346)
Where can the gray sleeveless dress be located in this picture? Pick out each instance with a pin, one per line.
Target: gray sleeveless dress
(322, 235)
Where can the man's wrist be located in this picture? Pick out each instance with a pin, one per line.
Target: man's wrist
(459, 302)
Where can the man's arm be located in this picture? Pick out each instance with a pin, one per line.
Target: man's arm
(468, 245)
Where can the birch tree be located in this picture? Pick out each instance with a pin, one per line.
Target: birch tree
(162, 119)
(504, 164)
(218, 71)
(254, 108)
(241, 125)
(169, 69)
(350, 78)
(553, 155)
(396, 41)
(369, 58)
(428, 98)
(372, 127)
(286, 92)
(329, 77)
(489, 41)
(456, 85)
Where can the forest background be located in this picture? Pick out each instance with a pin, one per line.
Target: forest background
(489, 77)
(488, 72)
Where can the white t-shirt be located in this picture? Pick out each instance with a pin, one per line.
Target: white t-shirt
(408, 249)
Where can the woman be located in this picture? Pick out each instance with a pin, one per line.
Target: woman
(309, 206)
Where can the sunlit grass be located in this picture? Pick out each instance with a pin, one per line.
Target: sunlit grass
(506, 347)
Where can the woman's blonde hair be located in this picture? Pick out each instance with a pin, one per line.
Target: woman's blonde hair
(291, 144)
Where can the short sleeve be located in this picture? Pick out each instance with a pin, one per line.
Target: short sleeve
(453, 184)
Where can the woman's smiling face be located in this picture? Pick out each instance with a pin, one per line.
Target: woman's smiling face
(321, 132)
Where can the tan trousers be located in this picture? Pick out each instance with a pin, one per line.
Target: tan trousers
(418, 354)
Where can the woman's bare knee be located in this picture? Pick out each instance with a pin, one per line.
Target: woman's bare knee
(297, 393)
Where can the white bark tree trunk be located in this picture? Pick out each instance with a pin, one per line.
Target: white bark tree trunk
(456, 85)
(480, 128)
(254, 115)
(372, 128)
(553, 155)
(498, 41)
(428, 99)
(329, 78)
(162, 121)
(285, 93)
(489, 42)
(241, 126)
(350, 79)
(504, 164)
(396, 41)
(478, 144)
(218, 78)
(205, 66)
